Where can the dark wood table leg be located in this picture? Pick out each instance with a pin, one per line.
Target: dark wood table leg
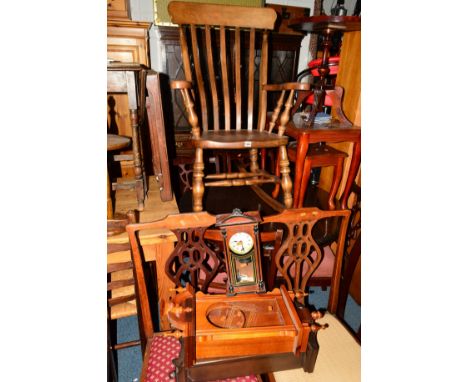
(137, 162)
(301, 152)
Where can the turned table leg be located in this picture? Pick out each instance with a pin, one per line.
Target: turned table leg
(301, 152)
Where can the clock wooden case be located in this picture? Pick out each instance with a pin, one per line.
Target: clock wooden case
(241, 243)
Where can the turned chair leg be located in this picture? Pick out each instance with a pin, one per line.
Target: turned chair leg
(198, 187)
(276, 190)
(286, 182)
(253, 160)
(304, 182)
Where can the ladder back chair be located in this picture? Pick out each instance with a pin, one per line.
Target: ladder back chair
(121, 296)
(225, 60)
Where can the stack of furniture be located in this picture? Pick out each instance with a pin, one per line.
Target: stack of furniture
(127, 56)
(219, 334)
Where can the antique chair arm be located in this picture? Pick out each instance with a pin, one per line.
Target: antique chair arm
(185, 88)
(286, 114)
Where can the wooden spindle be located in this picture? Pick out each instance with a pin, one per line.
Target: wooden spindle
(274, 116)
(250, 101)
(263, 80)
(225, 80)
(192, 115)
(185, 54)
(211, 73)
(199, 75)
(286, 115)
(237, 63)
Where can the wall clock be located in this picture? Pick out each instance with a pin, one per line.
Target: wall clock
(242, 251)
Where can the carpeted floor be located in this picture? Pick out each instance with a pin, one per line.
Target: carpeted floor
(130, 361)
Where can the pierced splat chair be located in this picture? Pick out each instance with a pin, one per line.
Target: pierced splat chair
(219, 92)
(193, 263)
(297, 261)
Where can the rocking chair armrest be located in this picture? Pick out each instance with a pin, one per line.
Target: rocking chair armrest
(181, 84)
(287, 86)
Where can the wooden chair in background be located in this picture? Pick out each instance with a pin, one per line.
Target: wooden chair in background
(222, 79)
(121, 297)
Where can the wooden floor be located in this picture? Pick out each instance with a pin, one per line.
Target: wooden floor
(155, 209)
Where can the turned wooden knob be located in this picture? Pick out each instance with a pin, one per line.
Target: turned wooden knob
(177, 310)
(316, 327)
(300, 294)
(316, 315)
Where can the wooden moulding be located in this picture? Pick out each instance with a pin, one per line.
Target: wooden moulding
(284, 334)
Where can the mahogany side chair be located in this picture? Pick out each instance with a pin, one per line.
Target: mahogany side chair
(225, 60)
(297, 260)
(192, 263)
(121, 297)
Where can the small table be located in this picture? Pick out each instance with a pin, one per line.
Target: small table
(130, 78)
(334, 132)
(327, 26)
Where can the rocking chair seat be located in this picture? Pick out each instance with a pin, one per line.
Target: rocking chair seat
(239, 139)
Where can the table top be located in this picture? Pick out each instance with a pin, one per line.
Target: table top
(332, 132)
(125, 66)
(115, 142)
(317, 24)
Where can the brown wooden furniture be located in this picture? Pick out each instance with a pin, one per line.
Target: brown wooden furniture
(157, 132)
(320, 154)
(114, 142)
(129, 79)
(339, 356)
(119, 9)
(120, 290)
(189, 230)
(127, 41)
(194, 259)
(327, 26)
(333, 133)
(283, 50)
(221, 88)
(156, 245)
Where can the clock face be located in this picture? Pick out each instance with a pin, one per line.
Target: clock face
(241, 243)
